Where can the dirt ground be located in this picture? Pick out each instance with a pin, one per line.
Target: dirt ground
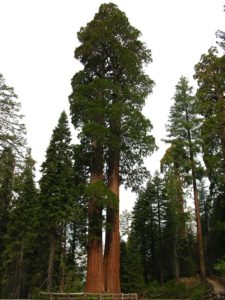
(218, 286)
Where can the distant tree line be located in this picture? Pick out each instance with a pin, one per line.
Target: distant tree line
(51, 232)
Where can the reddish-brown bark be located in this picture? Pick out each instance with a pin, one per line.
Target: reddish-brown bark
(112, 244)
(94, 277)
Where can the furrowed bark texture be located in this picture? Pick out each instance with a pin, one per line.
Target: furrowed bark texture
(94, 277)
(112, 244)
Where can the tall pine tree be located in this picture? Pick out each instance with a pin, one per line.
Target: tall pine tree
(12, 129)
(20, 250)
(148, 228)
(56, 190)
(7, 170)
(183, 133)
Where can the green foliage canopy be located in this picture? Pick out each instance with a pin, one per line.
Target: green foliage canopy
(109, 93)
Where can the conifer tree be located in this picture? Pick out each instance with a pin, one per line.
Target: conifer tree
(160, 199)
(148, 228)
(135, 278)
(12, 130)
(107, 99)
(183, 132)
(173, 165)
(56, 189)
(144, 228)
(7, 169)
(175, 232)
(77, 228)
(20, 251)
(123, 266)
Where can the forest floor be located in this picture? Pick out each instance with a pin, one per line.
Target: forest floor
(217, 285)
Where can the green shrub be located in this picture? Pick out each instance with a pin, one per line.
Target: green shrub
(174, 290)
(220, 267)
(198, 292)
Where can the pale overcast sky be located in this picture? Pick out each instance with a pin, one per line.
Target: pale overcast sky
(37, 42)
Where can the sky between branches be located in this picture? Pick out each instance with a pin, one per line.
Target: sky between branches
(38, 38)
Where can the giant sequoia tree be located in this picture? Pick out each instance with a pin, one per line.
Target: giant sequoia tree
(106, 103)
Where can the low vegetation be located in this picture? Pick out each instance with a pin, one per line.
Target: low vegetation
(176, 290)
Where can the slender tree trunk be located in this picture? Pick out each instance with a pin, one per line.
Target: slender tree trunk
(94, 277)
(51, 262)
(112, 244)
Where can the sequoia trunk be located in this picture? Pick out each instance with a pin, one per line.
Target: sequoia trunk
(112, 244)
(94, 277)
